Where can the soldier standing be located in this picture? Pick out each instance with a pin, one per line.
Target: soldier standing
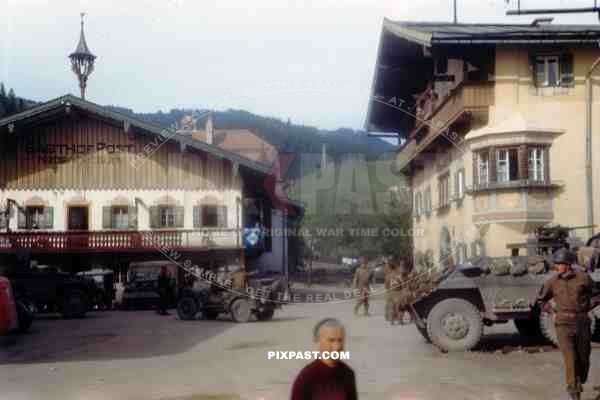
(389, 286)
(571, 290)
(239, 278)
(362, 279)
(405, 296)
(164, 288)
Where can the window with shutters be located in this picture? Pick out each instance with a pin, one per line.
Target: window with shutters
(418, 205)
(427, 202)
(553, 70)
(167, 217)
(535, 164)
(443, 187)
(460, 184)
(35, 218)
(120, 217)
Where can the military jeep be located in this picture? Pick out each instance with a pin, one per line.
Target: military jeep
(261, 299)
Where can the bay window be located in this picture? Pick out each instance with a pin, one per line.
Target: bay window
(507, 165)
(535, 163)
(483, 169)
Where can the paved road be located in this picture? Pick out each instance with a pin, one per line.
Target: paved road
(140, 355)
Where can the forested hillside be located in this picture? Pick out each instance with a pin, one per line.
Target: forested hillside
(285, 135)
(10, 103)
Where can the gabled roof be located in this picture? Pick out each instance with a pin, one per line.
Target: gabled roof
(76, 102)
(430, 33)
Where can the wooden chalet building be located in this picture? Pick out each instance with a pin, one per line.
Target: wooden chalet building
(82, 185)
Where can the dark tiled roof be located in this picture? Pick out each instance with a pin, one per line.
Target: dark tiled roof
(429, 33)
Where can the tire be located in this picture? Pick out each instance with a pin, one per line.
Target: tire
(549, 330)
(240, 310)
(455, 325)
(25, 317)
(74, 305)
(212, 315)
(266, 314)
(423, 332)
(529, 328)
(187, 308)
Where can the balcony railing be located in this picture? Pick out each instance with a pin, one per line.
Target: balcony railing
(515, 184)
(468, 96)
(119, 241)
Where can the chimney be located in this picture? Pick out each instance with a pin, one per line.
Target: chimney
(209, 128)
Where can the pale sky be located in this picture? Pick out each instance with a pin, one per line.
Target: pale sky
(162, 54)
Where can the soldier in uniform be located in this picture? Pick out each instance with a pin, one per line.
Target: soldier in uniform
(362, 279)
(571, 290)
(391, 271)
(404, 296)
(239, 278)
(164, 288)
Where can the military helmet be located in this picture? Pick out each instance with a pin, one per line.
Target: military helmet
(563, 256)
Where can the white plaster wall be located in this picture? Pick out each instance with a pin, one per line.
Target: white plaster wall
(96, 199)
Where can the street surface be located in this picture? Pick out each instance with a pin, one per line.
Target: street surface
(141, 355)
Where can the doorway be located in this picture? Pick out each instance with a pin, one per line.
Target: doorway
(77, 218)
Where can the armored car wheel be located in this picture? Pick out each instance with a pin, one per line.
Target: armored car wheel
(187, 308)
(455, 325)
(240, 310)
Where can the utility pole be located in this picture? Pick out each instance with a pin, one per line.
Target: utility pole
(455, 13)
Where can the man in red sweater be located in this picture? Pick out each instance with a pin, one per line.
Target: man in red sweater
(326, 379)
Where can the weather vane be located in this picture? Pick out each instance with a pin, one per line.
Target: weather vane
(82, 60)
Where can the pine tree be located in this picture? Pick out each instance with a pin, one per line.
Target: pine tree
(2, 93)
(11, 102)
